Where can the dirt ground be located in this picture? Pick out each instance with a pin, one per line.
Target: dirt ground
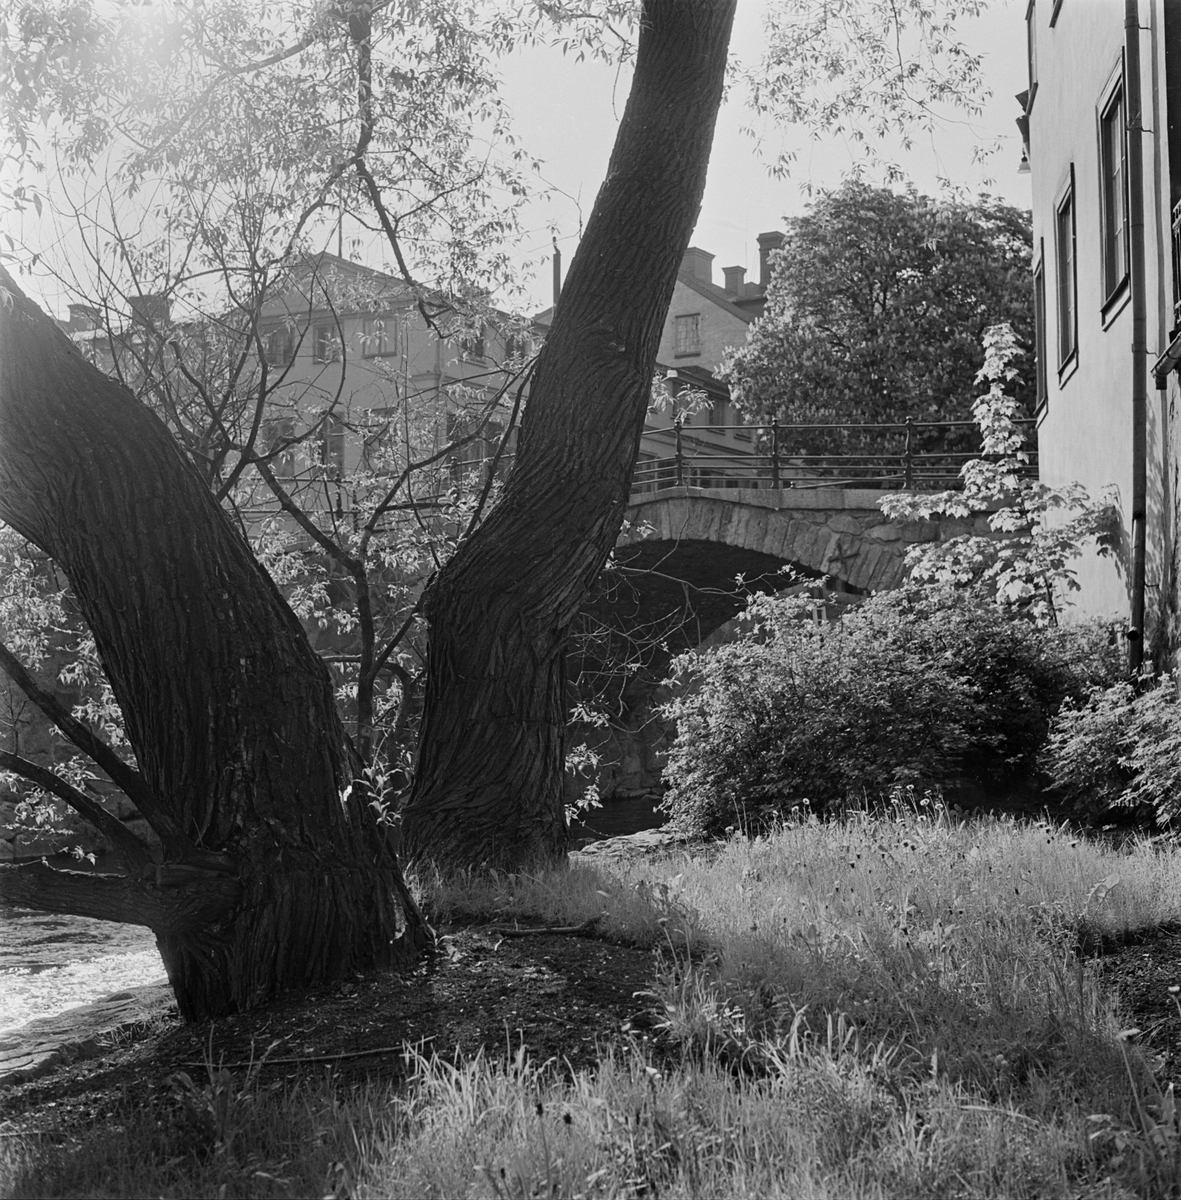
(564, 996)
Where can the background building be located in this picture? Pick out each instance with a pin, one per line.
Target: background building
(1100, 116)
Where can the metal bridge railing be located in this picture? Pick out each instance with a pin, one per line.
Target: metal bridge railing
(895, 461)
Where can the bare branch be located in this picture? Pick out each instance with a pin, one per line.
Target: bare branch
(125, 777)
(134, 854)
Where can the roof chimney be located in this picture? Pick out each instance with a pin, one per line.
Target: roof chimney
(734, 277)
(767, 242)
(82, 317)
(152, 310)
(699, 264)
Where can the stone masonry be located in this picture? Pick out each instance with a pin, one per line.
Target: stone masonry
(839, 532)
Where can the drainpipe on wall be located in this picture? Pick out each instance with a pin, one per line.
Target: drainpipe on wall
(1139, 330)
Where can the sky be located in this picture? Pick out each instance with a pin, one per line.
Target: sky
(567, 113)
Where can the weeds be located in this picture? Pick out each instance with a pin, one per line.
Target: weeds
(892, 1006)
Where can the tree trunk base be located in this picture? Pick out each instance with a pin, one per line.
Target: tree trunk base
(295, 929)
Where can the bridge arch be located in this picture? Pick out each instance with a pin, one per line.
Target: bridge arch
(837, 532)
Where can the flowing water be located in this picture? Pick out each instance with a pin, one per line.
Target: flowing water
(49, 963)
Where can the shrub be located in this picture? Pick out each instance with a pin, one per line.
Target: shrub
(1120, 748)
(926, 687)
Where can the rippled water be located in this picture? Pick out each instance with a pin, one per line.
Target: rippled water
(49, 963)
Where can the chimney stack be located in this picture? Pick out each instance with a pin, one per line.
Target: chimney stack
(82, 317)
(734, 280)
(699, 264)
(152, 310)
(767, 242)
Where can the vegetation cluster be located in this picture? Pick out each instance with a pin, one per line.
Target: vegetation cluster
(881, 1006)
(931, 688)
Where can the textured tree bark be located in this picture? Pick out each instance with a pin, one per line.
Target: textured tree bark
(230, 714)
(488, 784)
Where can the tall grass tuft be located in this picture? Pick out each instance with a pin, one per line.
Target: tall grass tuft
(890, 1006)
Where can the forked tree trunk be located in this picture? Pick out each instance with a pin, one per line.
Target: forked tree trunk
(488, 785)
(273, 876)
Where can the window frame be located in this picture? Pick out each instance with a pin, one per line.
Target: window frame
(681, 347)
(1031, 51)
(326, 346)
(330, 446)
(1114, 241)
(472, 346)
(1063, 205)
(269, 338)
(1041, 349)
(380, 344)
(275, 429)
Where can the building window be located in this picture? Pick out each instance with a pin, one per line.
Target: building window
(1031, 50)
(1039, 326)
(1113, 195)
(277, 434)
(471, 345)
(1067, 291)
(332, 446)
(687, 332)
(379, 336)
(278, 345)
(325, 343)
(517, 347)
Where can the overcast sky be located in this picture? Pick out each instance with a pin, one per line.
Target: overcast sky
(567, 114)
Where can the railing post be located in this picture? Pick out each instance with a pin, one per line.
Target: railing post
(679, 457)
(775, 480)
(908, 457)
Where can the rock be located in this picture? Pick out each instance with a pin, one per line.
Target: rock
(79, 1033)
(633, 845)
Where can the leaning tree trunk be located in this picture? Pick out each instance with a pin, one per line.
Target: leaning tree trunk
(488, 785)
(274, 874)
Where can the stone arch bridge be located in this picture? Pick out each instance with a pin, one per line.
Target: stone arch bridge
(674, 586)
(705, 537)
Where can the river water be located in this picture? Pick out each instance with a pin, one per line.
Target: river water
(50, 963)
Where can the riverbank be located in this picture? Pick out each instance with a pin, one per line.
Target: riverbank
(909, 1007)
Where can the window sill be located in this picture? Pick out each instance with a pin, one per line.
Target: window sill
(687, 354)
(1115, 303)
(1068, 368)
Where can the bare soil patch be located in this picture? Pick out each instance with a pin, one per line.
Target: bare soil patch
(564, 996)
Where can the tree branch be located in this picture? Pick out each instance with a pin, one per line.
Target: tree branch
(133, 853)
(166, 910)
(125, 777)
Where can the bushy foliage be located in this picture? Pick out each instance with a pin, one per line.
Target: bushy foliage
(1119, 748)
(876, 309)
(927, 687)
(1025, 563)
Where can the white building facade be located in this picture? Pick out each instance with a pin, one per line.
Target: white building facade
(1103, 160)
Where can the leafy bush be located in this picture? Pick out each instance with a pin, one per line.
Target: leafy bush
(928, 687)
(1120, 748)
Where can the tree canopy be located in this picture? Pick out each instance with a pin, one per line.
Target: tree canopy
(207, 150)
(876, 309)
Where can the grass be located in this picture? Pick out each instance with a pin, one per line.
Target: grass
(887, 1007)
